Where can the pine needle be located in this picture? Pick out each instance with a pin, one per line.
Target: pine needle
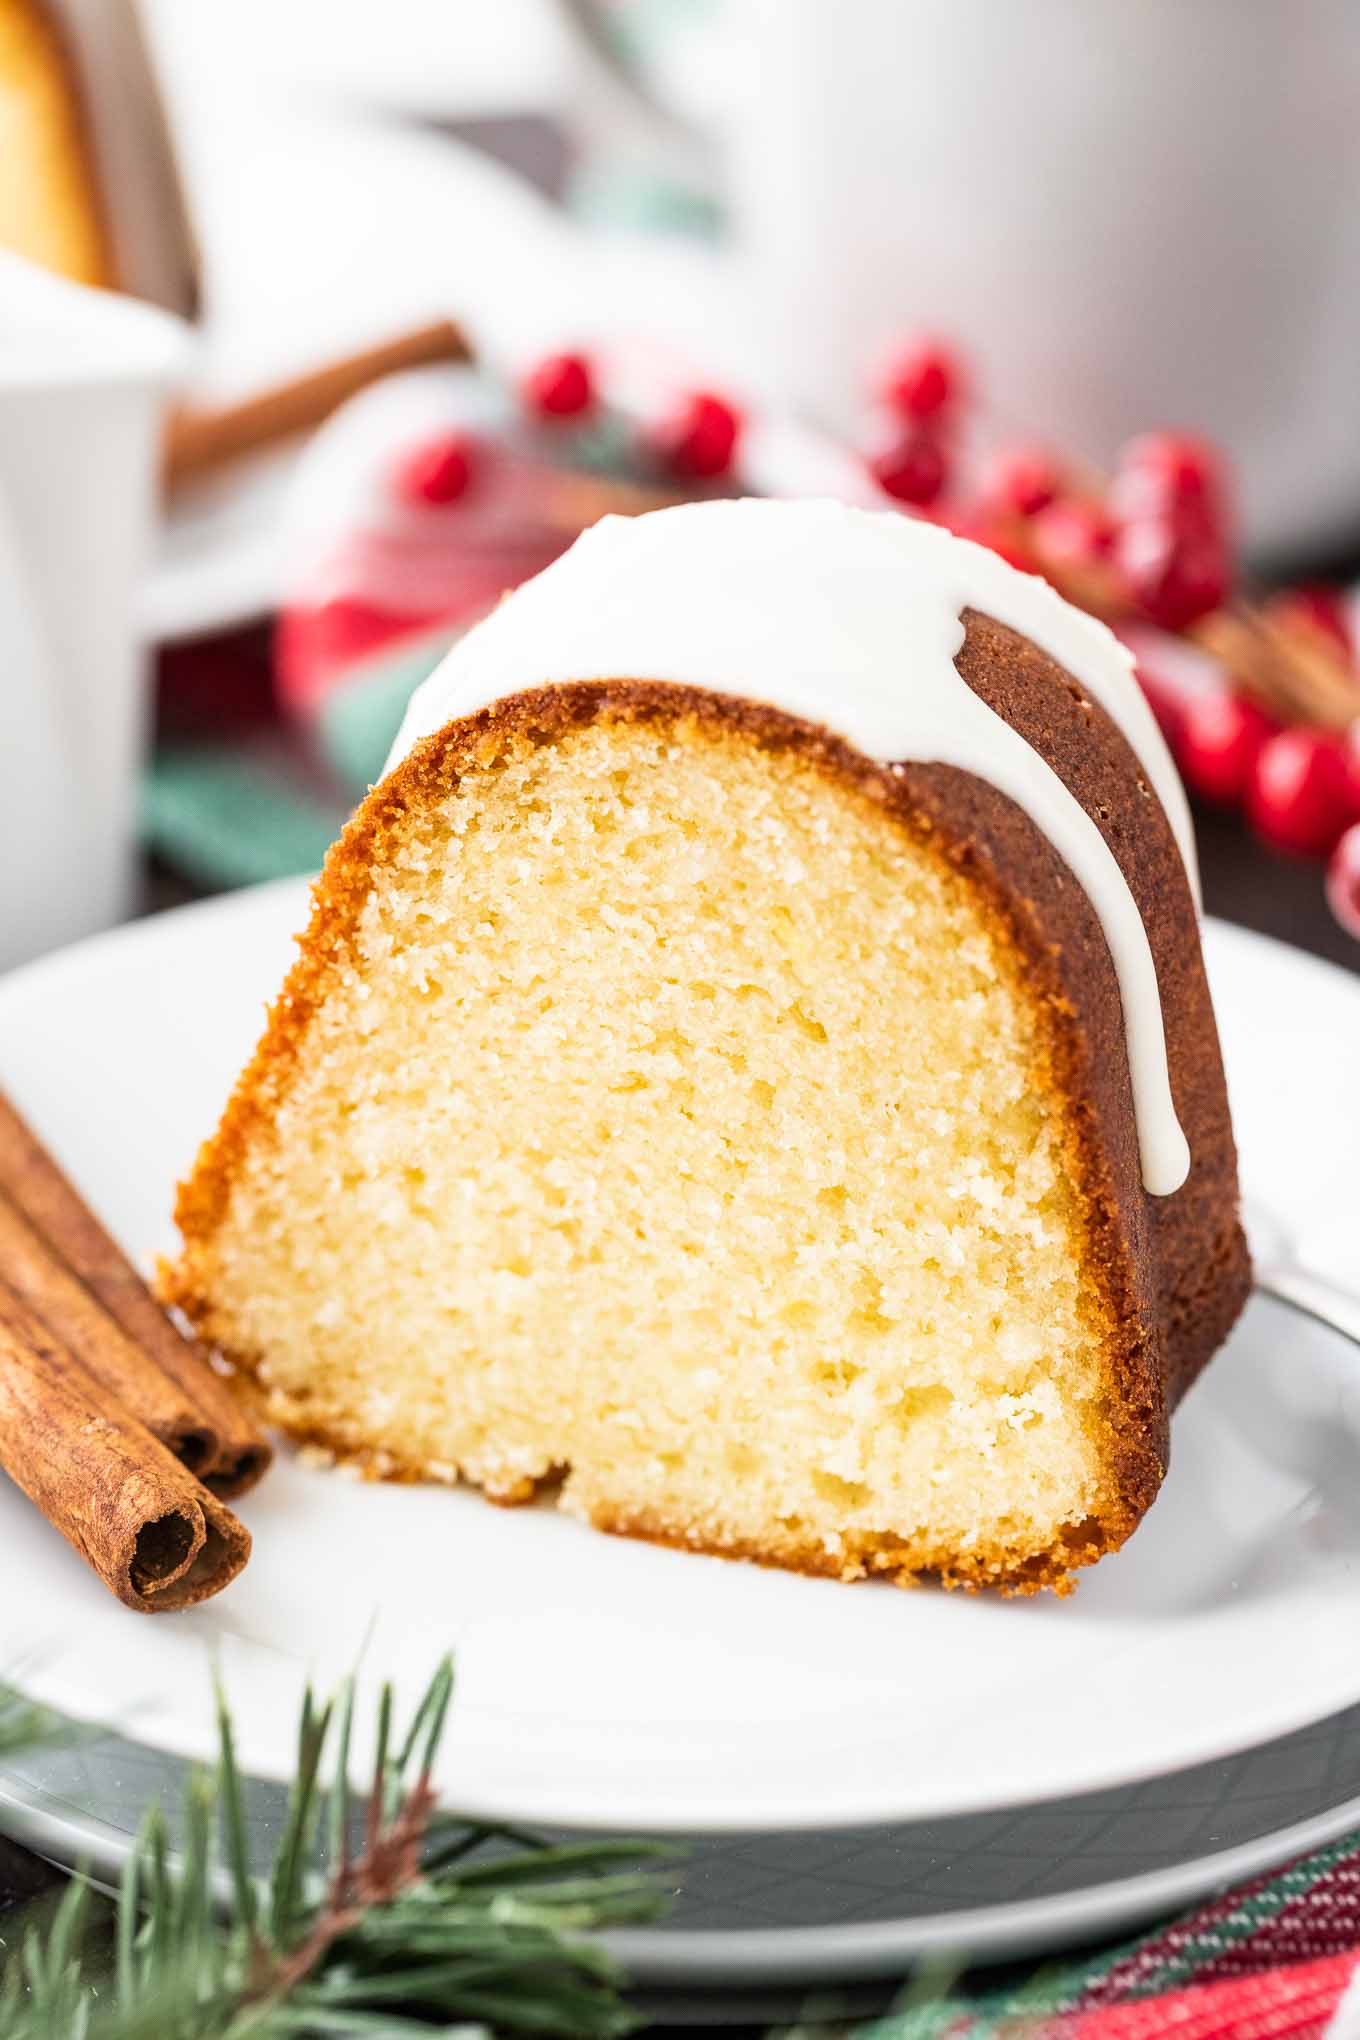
(286, 1882)
(231, 1800)
(339, 1808)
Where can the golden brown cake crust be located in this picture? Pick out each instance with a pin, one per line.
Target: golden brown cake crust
(1174, 1270)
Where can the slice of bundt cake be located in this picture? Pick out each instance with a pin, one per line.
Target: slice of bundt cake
(751, 1068)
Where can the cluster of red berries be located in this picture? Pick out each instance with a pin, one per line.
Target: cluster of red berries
(1153, 546)
(922, 396)
(1298, 785)
(1172, 551)
(1160, 531)
(695, 440)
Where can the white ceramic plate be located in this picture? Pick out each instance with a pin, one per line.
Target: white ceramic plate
(605, 1683)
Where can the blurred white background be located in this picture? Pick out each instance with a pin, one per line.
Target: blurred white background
(326, 211)
(436, 58)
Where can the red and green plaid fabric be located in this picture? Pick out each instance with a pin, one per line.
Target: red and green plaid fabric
(1273, 1959)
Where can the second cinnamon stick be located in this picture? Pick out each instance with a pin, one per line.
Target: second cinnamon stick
(154, 1535)
(47, 1287)
(55, 1209)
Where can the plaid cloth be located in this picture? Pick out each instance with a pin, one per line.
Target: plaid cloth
(1274, 1959)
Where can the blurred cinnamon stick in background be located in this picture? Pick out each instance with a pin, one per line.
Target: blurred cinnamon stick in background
(202, 437)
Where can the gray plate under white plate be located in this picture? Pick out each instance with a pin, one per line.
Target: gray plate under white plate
(809, 1908)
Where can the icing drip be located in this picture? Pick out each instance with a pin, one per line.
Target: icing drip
(849, 618)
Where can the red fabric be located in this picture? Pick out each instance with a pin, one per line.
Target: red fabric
(315, 647)
(377, 589)
(1143, 1964)
(1295, 2003)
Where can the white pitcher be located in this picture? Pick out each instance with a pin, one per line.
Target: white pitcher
(1130, 215)
(83, 379)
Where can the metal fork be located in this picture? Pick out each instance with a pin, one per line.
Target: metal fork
(1280, 1273)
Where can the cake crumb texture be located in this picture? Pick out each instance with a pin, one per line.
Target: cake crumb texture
(664, 1114)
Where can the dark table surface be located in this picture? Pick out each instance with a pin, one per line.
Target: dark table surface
(1265, 890)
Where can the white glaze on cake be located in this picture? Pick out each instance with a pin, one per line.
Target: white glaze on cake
(849, 618)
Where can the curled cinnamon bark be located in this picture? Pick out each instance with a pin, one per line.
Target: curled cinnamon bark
(154, 1535)
(46, 1286)
(231, 1453)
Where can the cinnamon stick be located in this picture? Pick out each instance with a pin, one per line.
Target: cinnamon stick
(47, 1287)
(239, 1454)
(201, 437)
(1293, 673)
(154, 1535)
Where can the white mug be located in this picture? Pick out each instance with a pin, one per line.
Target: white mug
(1127, 216)
(83, 376)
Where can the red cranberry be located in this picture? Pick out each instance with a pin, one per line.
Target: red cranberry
(1173, 550)
(1222, 736)
(1167, 472)
(559, 386)
(1073, 533)
(437, 472)
(1323, 610)
(925, 380)
(1021, 481)
(699, 439)
(1350, 745)
(1300, 797)
(1343, 880)
(913, 467)
(1175, 576)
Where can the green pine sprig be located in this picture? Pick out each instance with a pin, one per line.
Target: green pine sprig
(383, 1916)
